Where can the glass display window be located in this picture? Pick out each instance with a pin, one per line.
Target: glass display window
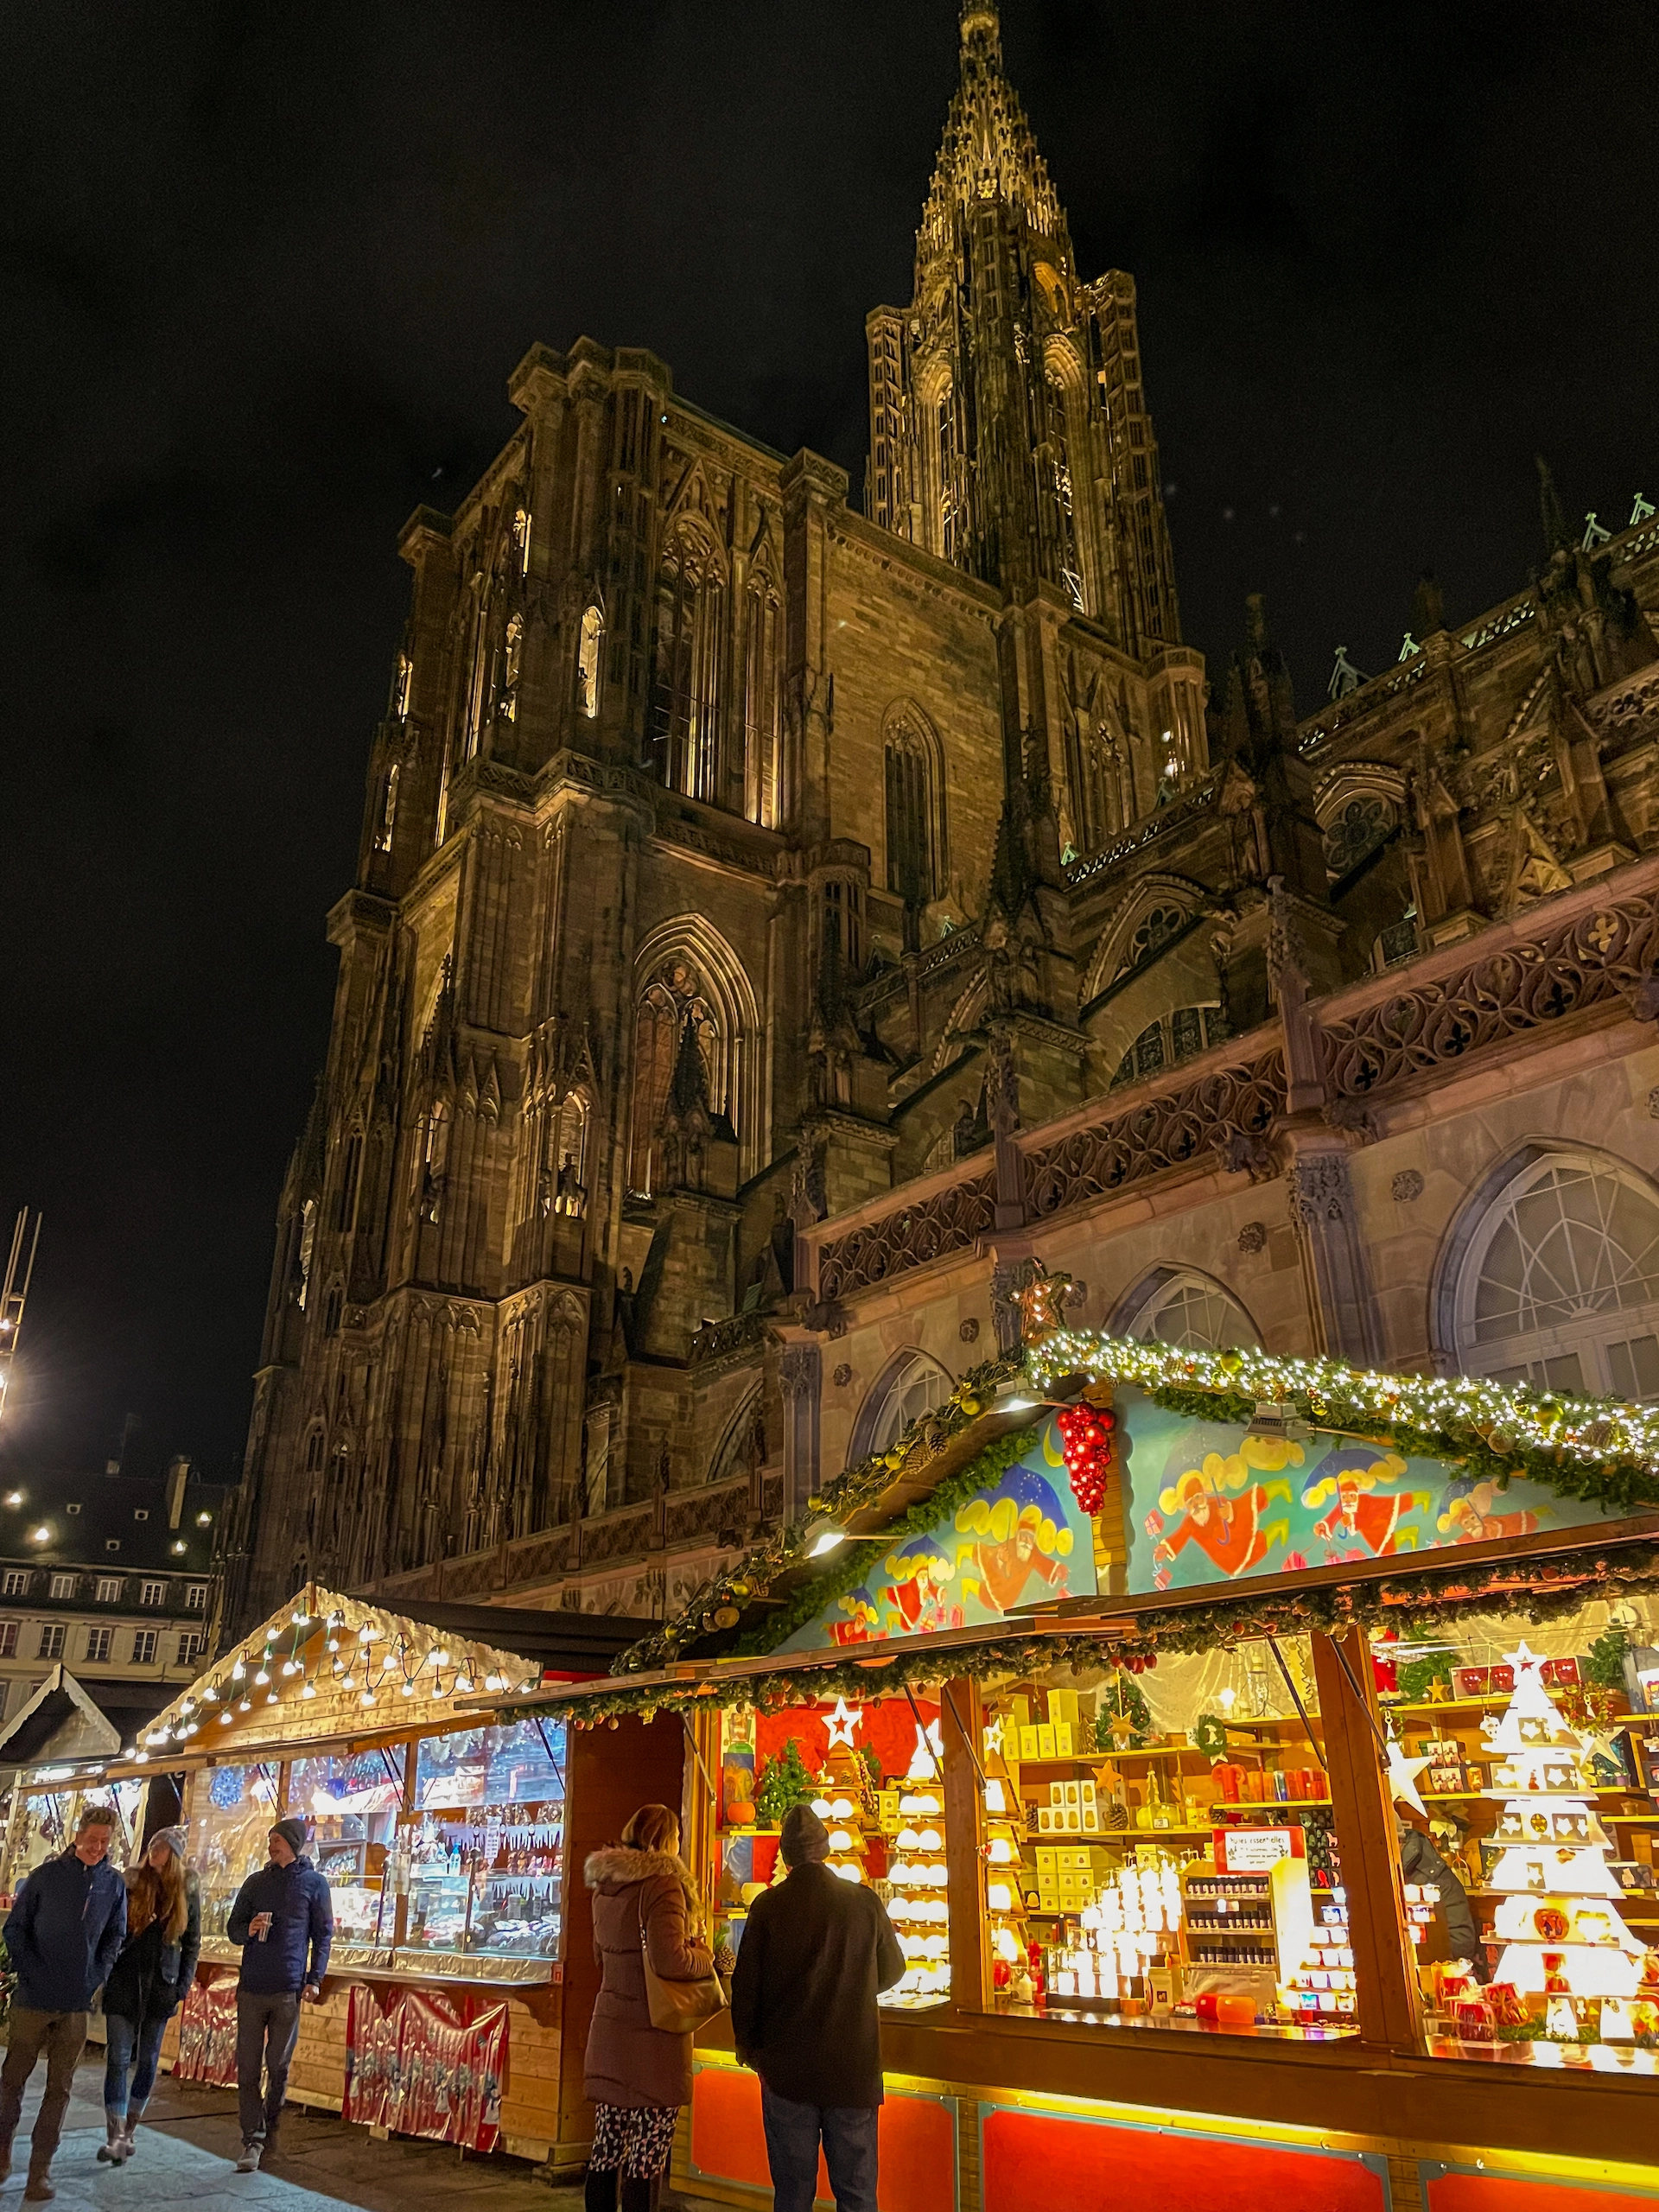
(875, 1774)
(1528, 1805)
(44, 1821)
(351, 1802)
(486, 1842)
(1160, 1850)
(232, 1811)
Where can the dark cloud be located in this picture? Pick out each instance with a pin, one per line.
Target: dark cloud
(265, 272)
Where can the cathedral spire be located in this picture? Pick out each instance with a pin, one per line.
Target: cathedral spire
(1008, 432)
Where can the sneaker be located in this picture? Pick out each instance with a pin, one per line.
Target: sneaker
(249, 2161)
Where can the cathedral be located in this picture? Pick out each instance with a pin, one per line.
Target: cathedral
(779, 927)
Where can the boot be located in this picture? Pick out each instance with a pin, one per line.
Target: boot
(134, 2113)
(109, 2150)
(637, 2194)
(40, 2189)
(599, 2191)
(5, 2159)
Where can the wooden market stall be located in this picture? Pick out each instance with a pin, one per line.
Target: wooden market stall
(444, 1834)
(1115, 1702)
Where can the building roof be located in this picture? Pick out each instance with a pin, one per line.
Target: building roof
(112, 1523)
(60, 1721)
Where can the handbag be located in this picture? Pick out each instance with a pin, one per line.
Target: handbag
(679, 2007)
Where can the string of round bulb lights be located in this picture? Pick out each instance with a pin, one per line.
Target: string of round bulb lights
(360, 1653)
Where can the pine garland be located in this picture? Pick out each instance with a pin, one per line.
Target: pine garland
(1597, 1449)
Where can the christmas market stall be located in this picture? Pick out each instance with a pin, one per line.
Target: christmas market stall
(1257, 1758)
(443, 1833)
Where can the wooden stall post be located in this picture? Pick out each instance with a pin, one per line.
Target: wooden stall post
(962, 1731)
(1388, 2000)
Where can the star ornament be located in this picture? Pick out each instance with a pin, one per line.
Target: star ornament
(841, 1722)
(1522, 1660)
(1403, 1778)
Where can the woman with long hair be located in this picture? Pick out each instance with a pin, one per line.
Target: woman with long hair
(147, 1984)
(646, 1905)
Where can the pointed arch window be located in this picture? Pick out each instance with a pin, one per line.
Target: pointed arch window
(1054, 489)
(690, 641)
(912, 860)
(947, 446)
(762, 704)
(1192, 1311)
(911, 1384)
(674, 997)
(1107, 797)
(388, 810)
(1559, 1283)
(1181, 1035)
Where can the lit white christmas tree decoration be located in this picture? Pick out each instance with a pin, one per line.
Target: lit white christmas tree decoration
(1563, 1938)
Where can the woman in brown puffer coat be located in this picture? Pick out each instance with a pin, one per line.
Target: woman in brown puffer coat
(638, 2075)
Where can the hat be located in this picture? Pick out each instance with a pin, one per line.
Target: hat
(173, 1837)
(292, 1833)
(804, 1837)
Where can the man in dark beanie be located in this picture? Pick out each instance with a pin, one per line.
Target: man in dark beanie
(285, 1924)
(816, 1952)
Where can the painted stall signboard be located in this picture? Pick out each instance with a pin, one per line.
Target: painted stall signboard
(1208, 1501)
(1023, 1538)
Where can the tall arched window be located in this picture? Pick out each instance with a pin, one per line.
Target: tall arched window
(912, 870)
(947, 445)
(1167, 1042)
(910, 1384)
(587, 648)
(690, 639)
(1192, 1311)
(673, 996)
(1555, 1278)
(762, 703)
(1106, 800)
(1054, 489)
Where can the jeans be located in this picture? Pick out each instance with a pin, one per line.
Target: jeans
(134, 2046)
(267, 2028)
(848, 2133)
(62, 2036)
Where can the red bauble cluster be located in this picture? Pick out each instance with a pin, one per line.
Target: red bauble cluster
(1086, 1439)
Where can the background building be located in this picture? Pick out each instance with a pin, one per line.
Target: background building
(776, 925)
(116, 1578)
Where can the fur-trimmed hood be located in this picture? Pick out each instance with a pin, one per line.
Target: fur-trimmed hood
(619, 1865)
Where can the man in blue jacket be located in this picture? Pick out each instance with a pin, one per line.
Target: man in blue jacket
(66, 1928)
(285, 1924)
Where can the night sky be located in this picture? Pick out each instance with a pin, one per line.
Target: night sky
(266, 271)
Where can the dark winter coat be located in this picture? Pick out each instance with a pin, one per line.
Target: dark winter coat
(815, 1954)
(629, 2062)
(152, 1977)
(1455, 1921)
(302, 1924)
(65, 1932)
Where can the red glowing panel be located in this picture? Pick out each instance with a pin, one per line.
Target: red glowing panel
(1034, 2162)
(1513, 2193)
(918, 2143)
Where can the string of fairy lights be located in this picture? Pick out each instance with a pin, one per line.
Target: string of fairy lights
(376, 1658)
(1613, 1443)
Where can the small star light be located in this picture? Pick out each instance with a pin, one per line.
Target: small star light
(1403, 1778)
(841, 1723)
(1522, 1660)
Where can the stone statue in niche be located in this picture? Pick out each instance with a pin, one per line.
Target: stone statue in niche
(593, 631)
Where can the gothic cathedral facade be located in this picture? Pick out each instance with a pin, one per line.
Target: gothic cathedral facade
(775, 924)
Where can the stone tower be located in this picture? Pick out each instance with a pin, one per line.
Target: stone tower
(1008, 430)
(720, 869)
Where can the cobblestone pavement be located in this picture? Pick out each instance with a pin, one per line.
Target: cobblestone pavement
(188, 2146)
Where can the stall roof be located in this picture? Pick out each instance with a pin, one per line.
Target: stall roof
(59, 1723)
(566, 1642)
(327, 1666)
